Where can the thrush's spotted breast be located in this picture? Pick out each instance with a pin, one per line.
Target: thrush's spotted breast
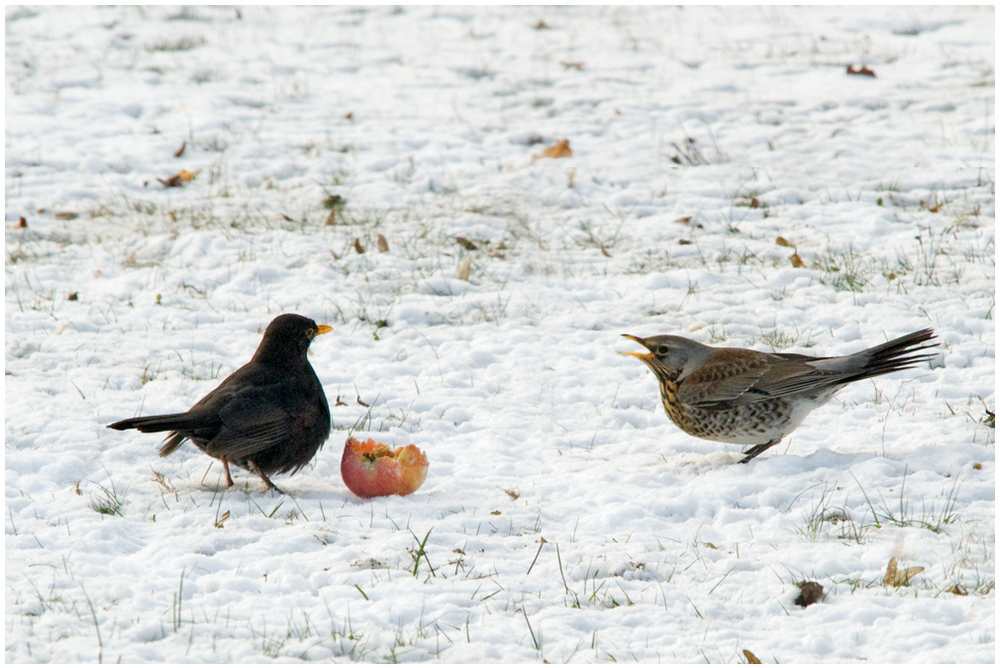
(270, 416)
(747, 397)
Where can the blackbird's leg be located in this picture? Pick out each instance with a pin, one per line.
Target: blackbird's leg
(225, 465)
(263, 476)
(758, 449)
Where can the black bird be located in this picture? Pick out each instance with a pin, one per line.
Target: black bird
(270, 416)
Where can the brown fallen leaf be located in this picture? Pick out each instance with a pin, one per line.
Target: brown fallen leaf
(899, 578)
(358, 247)
(21, 222)
(750, 657)
(542, 25)
(560, 149)
(179, 152)
(604, 251)
(73, 296)
(179, 179)
(349, 115)
(464, 269)
(358, 399)
(684, 242)
(495, 512)
(222, 520)
(332, 218)
(782, 241)
(383, 245)
(710, 546)
(67, 215)
(957, 590)
(572, 65)
(684, 220)
(864, 70)
(466, 244)
(797, 261)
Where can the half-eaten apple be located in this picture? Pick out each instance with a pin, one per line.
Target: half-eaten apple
(374, 469)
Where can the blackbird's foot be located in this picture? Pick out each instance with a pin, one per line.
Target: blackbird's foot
(225, 465)
(263, 476)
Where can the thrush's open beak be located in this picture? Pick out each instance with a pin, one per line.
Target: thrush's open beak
(323, 329)
(641, 342)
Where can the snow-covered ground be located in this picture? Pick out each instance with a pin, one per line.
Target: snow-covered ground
(564, 517)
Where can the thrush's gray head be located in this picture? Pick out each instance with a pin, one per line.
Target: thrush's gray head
(287, 339)
(670, 356)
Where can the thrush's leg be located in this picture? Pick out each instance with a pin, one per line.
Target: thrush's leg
(263, 476)
(225, 465)
(757, 449)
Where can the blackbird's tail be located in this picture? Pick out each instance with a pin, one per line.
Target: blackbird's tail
(176, 423)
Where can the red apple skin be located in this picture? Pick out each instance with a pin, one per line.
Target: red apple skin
(374, 469)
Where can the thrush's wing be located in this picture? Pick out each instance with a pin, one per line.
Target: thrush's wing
(725, 376)
(736, 378)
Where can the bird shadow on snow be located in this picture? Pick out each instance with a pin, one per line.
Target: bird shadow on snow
(694, 464)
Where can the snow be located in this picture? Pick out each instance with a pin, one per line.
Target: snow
(564, 517)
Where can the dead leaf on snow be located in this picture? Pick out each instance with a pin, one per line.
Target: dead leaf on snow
(560, 149)
(464, 269)
(179, 179)
(864, 70)
(899, 578)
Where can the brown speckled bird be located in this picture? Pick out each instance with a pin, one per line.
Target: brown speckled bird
(270, 416)
(735, 395)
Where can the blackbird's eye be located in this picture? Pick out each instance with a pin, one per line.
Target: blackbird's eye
(662, 350)
(310, 332)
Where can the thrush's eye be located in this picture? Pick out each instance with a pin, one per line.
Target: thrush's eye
(662, 350)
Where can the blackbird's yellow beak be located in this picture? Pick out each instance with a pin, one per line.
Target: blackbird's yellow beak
(323, 329)
(641, 342)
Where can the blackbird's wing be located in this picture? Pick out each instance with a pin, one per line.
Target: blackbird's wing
(261, 417)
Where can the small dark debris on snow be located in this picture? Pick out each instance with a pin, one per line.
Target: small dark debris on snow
(864, 71)
(810, 592)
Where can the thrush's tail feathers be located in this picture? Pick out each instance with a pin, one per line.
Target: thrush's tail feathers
(174, 423)
(901, 353)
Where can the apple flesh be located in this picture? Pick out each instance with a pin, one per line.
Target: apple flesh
(374, 469)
